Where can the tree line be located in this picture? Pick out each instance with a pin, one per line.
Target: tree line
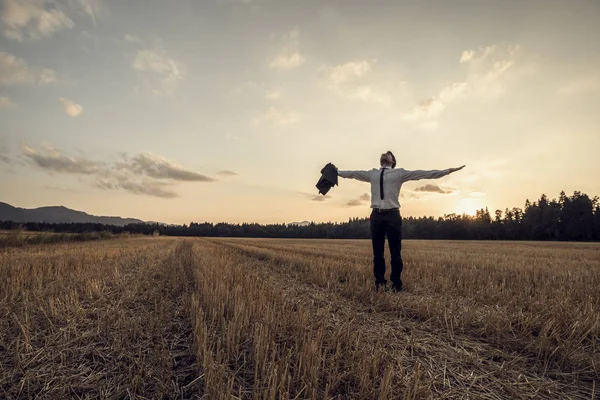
(574, 218)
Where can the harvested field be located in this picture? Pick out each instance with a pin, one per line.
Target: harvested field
(294, 319)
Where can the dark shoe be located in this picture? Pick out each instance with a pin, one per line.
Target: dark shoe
(397, 287)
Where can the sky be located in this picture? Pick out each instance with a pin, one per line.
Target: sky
(226, 110)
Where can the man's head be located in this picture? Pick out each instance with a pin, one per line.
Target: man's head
(387, 159)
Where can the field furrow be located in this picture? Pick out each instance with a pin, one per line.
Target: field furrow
(104, 320)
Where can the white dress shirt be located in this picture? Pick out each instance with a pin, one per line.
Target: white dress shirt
(392, 182)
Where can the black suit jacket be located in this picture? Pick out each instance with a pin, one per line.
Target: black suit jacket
(329, 178)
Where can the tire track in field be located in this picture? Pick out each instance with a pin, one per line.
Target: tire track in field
(467, 361)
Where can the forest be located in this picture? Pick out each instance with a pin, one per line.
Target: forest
(567, 218)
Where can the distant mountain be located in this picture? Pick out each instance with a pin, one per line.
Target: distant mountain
(303, 223)
(58, 214)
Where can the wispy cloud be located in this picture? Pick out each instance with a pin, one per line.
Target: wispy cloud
(155, 166)
(5, 154)
(288, 56)
(15, 71)
(272, 94)
(348, 81)
(51, 159)
(433, 188)
(466, 56)
(144, 173)
(157, 63)
(315, 197)
(370, 95)
(145, 187)
(486, 68)
(349, 71)
(227, 173)
(278, 117)
(132, 39)
(72, 109)
(47, 76)
(362, 200)
(33, 19)
(5, 102)
(36, 19)
(320, 198)
(432, 107)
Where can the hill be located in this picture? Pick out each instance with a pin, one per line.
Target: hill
(58, 214)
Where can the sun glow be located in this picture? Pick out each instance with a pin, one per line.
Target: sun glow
(469, 206)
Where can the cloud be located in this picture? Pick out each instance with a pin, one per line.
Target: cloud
(145, 187)
(275, 116)
(33, 19)
(144, 173)
(52, 160)
(15, 71)
(354, 203)
(158, 167)
(432, 107)
(36, 19)
(350, 71)
(288, 57)
(368, 94)
(90, 7)
(358, 202)
(320, 198)
(5, 154)
(272, 94)
(408, 195)
(47, 76)
(344, 80)
(71, 108)
(132, 39)
(156, 62)
(227, 173)
(487, 68)
(433, 188)
(5, 102)
(466, 56)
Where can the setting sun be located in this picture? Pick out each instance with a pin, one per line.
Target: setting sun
(469, 206)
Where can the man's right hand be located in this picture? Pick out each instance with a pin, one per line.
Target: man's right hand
(456, 169)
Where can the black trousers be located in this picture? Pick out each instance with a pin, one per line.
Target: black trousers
(388, 224)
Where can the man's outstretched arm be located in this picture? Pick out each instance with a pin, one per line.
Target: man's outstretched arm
(432, 174)
(362, 176)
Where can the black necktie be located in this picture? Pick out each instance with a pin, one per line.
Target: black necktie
(381, 183)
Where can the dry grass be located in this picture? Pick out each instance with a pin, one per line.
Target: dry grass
(21, 238)
(284, 319)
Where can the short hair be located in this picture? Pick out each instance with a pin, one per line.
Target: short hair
(393, 159)
(392, 156)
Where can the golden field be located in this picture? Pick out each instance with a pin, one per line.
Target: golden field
(298, 319)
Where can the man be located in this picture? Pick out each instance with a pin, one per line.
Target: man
(385, 217)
